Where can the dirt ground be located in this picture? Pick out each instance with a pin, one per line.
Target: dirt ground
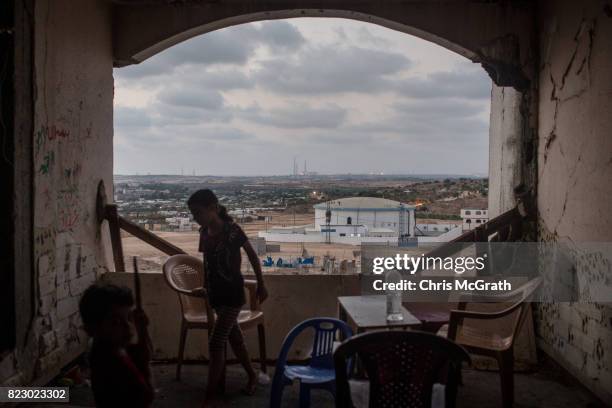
(152, 259)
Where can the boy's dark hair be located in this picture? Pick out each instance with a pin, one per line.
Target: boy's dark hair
(98, 300)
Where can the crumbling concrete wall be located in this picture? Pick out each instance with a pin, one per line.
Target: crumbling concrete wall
(73, 130)
(505, 142)
(574, 172)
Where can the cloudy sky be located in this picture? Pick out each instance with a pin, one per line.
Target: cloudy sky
(345, 96)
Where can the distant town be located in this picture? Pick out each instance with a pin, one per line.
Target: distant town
(157, 202)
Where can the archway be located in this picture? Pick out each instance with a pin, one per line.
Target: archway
(503, 45)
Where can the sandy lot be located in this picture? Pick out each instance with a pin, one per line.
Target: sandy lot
(152, 259)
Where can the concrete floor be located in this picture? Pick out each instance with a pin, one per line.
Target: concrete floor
(545, 388)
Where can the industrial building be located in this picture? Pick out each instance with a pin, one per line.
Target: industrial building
(374, 216)
(360, 220)
(351, 220)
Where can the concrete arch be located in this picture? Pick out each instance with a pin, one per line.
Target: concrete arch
(287, 14)
(491, 33)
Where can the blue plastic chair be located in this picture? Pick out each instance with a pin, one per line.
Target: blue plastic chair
(268, 261)
(320, 372)
(308, 261)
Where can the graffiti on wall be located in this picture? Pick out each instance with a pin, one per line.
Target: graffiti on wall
(68, 209)
(47, 163)
(64, 259)
(577, 331)
(47, 134)
(44, 238)
(72, 173)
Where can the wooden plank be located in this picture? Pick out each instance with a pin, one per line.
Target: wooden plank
(115, 233)
(510, 219)
(149, 237)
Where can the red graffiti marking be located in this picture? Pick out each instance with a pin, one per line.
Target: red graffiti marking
(55, 133)
(69, 210)
(50, 133)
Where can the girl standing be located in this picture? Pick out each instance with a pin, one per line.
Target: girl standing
(220, 242)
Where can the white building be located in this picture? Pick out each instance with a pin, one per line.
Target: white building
(180, 223)
(472, 218)
(352, 220)
(375, 214)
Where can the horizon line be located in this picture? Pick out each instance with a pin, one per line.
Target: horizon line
(479, 175)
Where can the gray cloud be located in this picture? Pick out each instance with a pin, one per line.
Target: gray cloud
(154, 66)
(218, 134)
(325, 70)
(173, 107)
(188, 106)
(127, 117)
(414, 128)
(364, 35)
(233, 46)
(198, 136)
(336, 69)
(344, 138)
(169, 115)
(223, 80)
(298, 116)
(466, 84)
(435, 108)
(279, 34)
(435, 123)
(191, 97)
(431, 121)
(217, 47)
